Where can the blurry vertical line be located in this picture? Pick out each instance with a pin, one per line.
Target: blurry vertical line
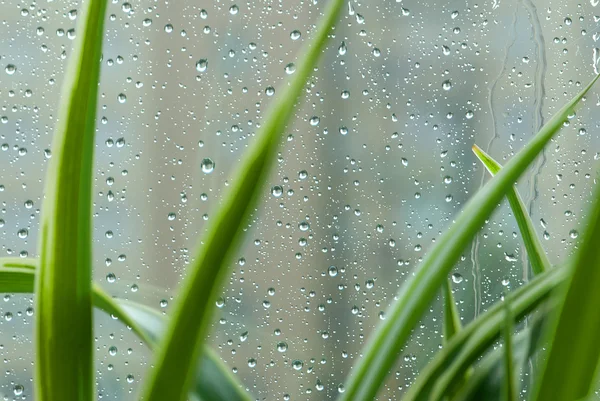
(539, 94)
(476, 271)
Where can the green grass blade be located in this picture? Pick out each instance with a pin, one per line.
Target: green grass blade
(451, 317)
(456, 357)
(537, 256)
(510, 387)
(572, 362)
(175, 360)
(17, 276)
(63, 328)
(418, 291)
(488, 379)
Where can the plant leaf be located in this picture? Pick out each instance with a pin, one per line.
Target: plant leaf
(574, 349)
(176, 356)
(18, 276)
(451, 317)
(455, 358)
(510, 388)
(488, 379)
(63, 328)
(537, 256)
(417, 292)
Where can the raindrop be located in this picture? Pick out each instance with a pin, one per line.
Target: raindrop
(201, 65)
(207, 166)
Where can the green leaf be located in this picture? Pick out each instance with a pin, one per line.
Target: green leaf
(574, 350)
(176, 356)
(456, 357)
(451, 317)
(63, 328)
(537, 257)
(488, 379)
(417, 292)
(510, 387)
(216, 383)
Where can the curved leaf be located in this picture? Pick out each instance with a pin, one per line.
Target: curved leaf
(63, 327)
(468, 344)
(571, 366)
(417, 292)
(215, 383)
(537, 256)
(176, 356)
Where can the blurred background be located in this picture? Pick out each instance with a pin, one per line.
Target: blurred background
(376, 165)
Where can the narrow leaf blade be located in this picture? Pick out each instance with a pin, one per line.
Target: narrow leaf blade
(18, 276)
(417, 292)
(510, 388)
(537, 256)
(63, 327)
(451, 317)
(456, 357)
(574, 351)
(176, 357)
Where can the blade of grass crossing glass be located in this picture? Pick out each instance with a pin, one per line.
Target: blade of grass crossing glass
(18, 275)
(488, 379)
(175, 361)
(417, 292)
(537, 256)
(451, 316)
(510, 388)
(571, 365)
(451, 323)
(467, 345)
(63, 327)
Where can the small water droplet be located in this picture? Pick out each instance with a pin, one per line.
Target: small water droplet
(207, 166)
(201, 65)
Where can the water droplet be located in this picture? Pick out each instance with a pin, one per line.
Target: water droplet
(277, 191)
(234, 9)
(18, 390)
(290, 68)
(282, 346)
(297, 364)
(303, 226)
(121, 98)
(457, 278)
(295, 34)
(10, 69)
(201, 65)
(447, 85)
(207, 166)
(333, 271)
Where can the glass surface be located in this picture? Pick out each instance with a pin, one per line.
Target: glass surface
(376, 165)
